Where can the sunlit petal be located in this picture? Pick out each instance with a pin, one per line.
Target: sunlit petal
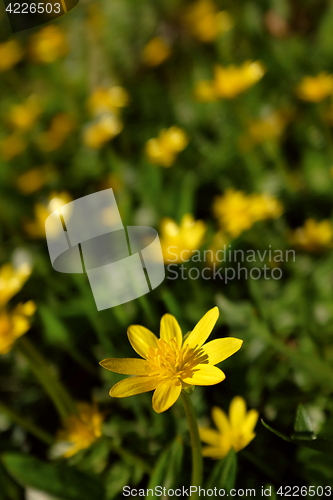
(141, 339)
(205, 375)
(221, 420)
(237, 412)
(243, 441)
(209, 436)
(250, 421)
(203, 329)
(170, 329)
(126, 366)
(165, 395)
(220, 349)
(132, 386)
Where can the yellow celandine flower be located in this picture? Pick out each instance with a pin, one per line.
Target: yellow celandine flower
(229, 81)
(204, 22)
(36, 228)
(62, 124)
(156, 52)
(315, 88)
(171, 363)
(24, 116)
(313, 236)
(163, 150)
(237, 211)
(10, 54)
(107, 100)
(178, 241)
(11, 146)
(12, 280)
(103, 130)
(14, 324)
(48, 44)
(81, 431)
(233, 432)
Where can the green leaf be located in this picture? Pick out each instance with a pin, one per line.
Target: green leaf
(224, 473)
(58, 480)
(320, 445)
(302, 421)
(304, 439)
(175, 462)
(168, 467)
(282, 436)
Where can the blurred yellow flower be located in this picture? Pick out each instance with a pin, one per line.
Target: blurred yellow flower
(156, 52)
(178, 241)
(315, 88)
(269, 127)
(36, 228)
(313, 236)
(163, 150)
(62, 124)
(233, 212)
(48, 44)
(236, 432)
(107, 100)
(229, 81)
(12, 146)
(263, 206)
(98, 133)
(236, 211)
(204, 22)
(35, 178)
(81, 431)
(204, 91)
(171, 363)
(14, 324)
(23, 116)
(10, 54)
(12, 280)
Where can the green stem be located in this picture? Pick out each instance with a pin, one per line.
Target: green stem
(57, 392)
(197, 462)
(26, 424)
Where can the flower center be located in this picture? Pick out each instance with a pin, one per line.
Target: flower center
(168, 361)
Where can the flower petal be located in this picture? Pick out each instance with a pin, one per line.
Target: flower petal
(205, 375)
(220, 349)
(170, 329)
(221, 420)
(237, 412)
(250, 421)
(243, 441)
(165, 395)
(126, 366)
(215, 452)
(141, 339)
(203, 329)
(209, 436)
(133, 385)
